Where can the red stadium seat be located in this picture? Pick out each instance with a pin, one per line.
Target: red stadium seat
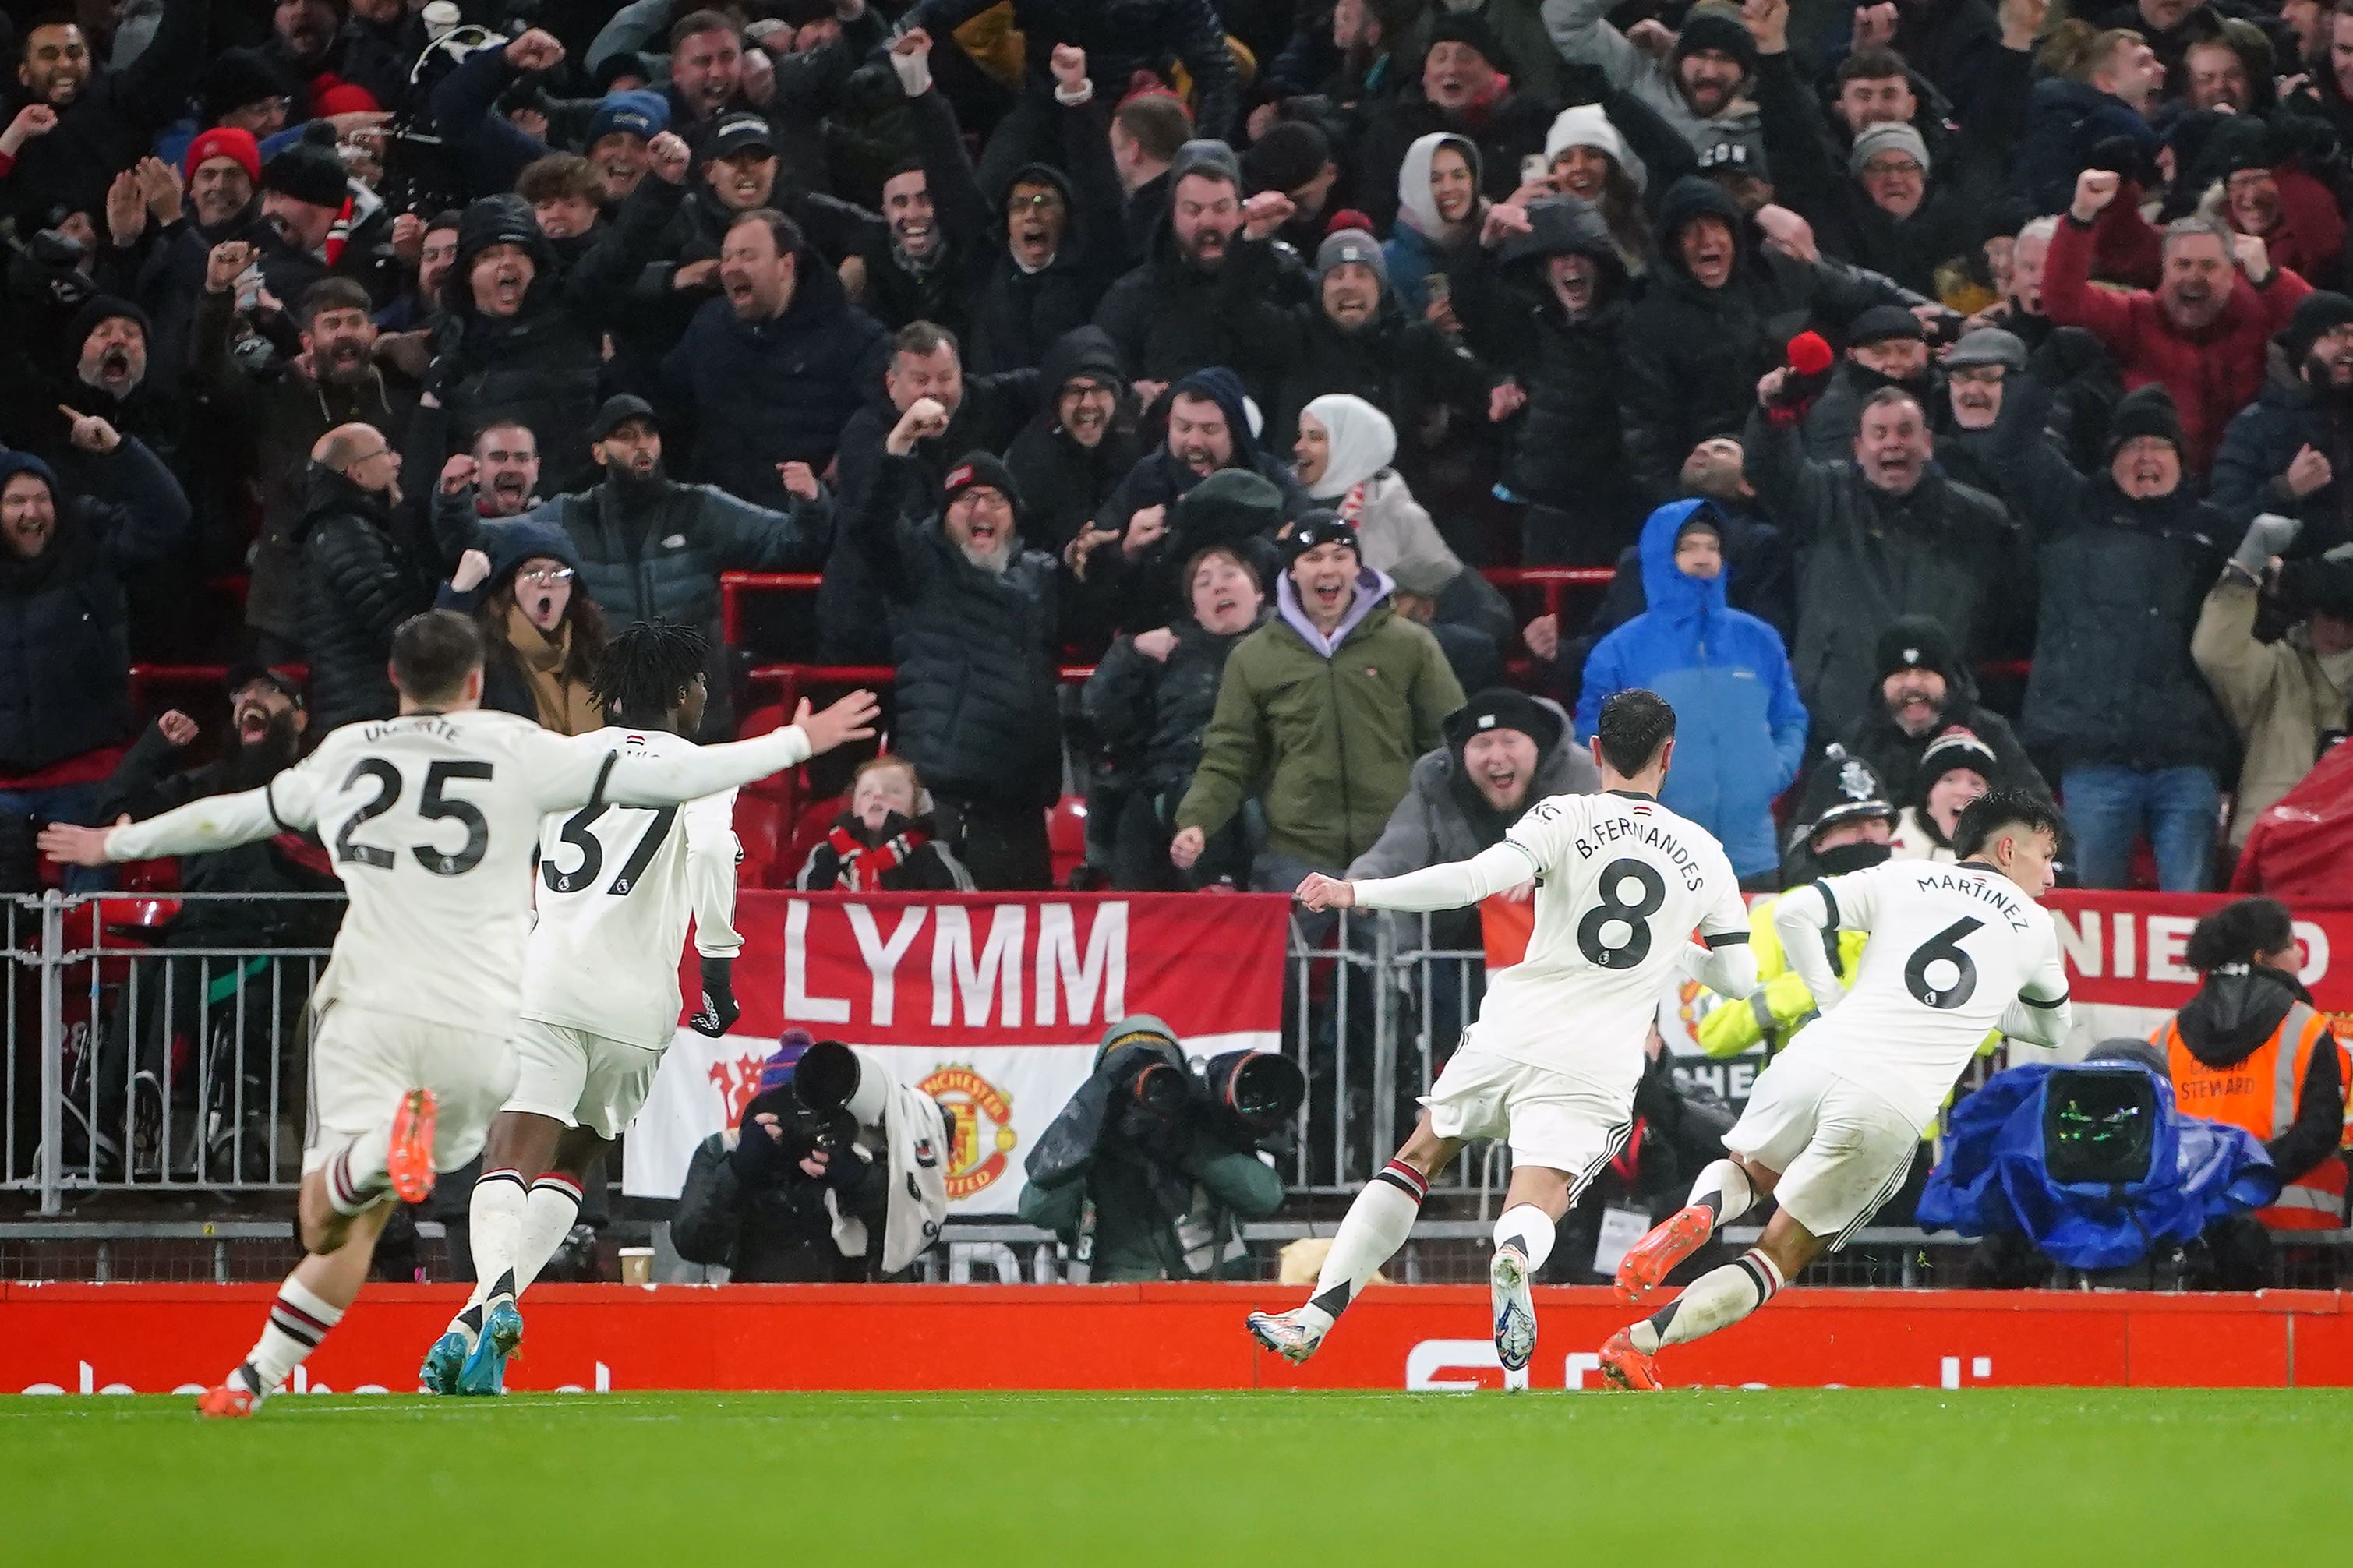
(1066, 837)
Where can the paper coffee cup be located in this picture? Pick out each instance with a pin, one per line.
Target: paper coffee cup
(441, 19)
(637, 1266)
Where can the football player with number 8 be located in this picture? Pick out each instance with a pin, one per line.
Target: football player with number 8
(1551, 1065)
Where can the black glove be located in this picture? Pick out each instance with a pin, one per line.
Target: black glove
(719, 1009)
(760, 1156)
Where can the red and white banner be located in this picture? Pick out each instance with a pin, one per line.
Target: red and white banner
(992, 1004)
(163, 1339)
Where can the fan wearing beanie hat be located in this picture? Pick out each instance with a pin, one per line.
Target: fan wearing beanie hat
(1504, 752)
(1920, 688)
(976, 623)
(1713, 54)
(1320, 715)
(224, 171)
(981, 510)
(1956, 769)
(304, 191)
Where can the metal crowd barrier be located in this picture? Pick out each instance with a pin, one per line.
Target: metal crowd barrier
(162, 1053)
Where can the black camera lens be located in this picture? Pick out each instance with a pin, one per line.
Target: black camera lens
(1266, 1090)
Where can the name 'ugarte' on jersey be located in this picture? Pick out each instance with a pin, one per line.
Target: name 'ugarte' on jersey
(617, 885)
(431, 820)
(1622, 883)
(1951, 948)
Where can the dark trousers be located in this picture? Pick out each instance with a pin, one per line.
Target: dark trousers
(1003, 847)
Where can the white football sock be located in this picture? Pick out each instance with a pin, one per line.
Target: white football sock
(356, 1175)
(494, 1227)
(1725, 1188)
(297, 1320)
(1531, 1228)
(1374, 1226)
(549, 1212)
(1717, 1299)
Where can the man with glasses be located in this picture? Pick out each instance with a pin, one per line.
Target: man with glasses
(361, 579)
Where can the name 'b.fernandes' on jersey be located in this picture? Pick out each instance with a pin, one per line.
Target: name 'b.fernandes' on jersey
(1952, 948)
(1622, 884)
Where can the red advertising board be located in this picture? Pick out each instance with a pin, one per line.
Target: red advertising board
(152, 1339)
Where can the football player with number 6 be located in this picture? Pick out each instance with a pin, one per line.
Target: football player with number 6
(1832, 1123)
(1551, 1065)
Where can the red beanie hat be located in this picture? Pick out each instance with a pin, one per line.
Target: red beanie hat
(226, 142)
(333, 94)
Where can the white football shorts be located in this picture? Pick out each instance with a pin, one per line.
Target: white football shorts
(363, 1060)
(1547, 1118)
(579, 1079)
(1841, 1151)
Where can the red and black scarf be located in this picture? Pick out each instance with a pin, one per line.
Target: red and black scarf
(863, 866)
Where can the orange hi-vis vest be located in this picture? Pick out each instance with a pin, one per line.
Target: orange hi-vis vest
(2260, 1095)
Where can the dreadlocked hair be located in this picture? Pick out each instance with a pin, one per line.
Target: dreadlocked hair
(646, 664)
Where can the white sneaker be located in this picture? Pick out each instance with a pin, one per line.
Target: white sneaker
(1515, 1313)
(1287, 1334)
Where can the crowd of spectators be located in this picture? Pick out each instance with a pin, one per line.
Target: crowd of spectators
(1884, 352)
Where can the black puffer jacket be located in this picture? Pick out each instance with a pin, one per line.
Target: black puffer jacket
(977, 712)
(773, 1229)
(852, 617)
(1868, 557)
(359, 582)
(2123, 581)
(1064, 484)
(1568, 451)
(1694, 355)
(65, 641)
(1149, 713)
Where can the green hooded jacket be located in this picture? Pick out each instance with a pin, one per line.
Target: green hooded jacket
(1329, 741)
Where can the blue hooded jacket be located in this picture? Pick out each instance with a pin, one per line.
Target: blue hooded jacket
(1993, 1180)
(1740, 728)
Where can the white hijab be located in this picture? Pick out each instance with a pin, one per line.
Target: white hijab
(1417, 206)
(1362, 443)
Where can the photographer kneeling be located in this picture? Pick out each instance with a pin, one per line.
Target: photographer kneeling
(834, 1174)
(1149, 1170)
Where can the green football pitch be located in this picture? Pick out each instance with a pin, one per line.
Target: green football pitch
(1984, 1477)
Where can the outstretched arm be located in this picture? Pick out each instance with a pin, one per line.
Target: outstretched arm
(1453, 886)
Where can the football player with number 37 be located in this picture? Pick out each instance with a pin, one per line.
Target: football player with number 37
(1832, 1123)
(1622, 886)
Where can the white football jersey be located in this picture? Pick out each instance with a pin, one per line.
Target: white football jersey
(617, 884)
(1951, 947)
(432, 821)
(1622, 884)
